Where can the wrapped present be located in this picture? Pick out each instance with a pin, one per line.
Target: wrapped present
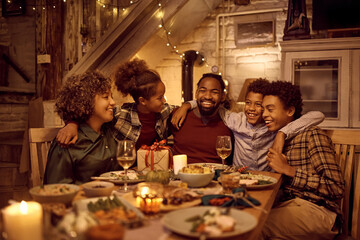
(155, 157)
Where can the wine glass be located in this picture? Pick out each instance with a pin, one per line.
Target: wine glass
(125, 156)
(223, 147)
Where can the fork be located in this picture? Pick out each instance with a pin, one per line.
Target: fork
(243, 195)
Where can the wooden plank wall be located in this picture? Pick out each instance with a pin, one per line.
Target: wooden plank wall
(49, 40)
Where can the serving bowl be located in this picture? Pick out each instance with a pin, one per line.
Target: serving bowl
(196, 179)
(98, 188)
(59, 193)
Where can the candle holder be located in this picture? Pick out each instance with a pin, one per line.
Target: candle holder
(149, 197)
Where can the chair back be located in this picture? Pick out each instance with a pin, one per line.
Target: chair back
(345, 142)
(39, 141)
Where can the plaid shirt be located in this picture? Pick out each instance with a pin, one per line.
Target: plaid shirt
(318, 178)
(128, 125)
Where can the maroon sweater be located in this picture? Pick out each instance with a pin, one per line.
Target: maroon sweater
(198, 140)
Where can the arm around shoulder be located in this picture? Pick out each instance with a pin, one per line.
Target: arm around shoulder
(297, 126)
(59, 165)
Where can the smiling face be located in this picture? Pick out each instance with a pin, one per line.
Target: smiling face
(275, 115)
(155, 102)
(103, 108)
(253, 108)
(209, 95)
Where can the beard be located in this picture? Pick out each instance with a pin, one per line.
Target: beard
(204, 111)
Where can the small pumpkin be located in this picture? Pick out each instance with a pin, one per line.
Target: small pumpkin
(160, 176)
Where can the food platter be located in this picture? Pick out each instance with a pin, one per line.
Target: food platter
(164, 208)
(118, 177)
(272, 181)
(269, 181)
(212, 166)
(176, 222)
(82, 206)
(212, 188)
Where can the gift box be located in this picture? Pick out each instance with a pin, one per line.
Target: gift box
(155, 157)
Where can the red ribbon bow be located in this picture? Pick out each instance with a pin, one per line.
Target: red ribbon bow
(157, 146)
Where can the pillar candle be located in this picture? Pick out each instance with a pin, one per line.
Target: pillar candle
(23, 221)
(180, 161)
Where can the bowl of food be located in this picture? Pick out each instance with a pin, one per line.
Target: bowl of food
(59, 192)
(98, 188)
(196, 176)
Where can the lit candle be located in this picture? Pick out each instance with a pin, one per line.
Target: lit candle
(180, 161)
(23, 221)
(149, 197)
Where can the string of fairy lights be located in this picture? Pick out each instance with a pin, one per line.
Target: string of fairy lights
(55, 3)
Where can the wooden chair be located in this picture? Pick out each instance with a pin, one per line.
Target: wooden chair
(39, 140)
(345, 142)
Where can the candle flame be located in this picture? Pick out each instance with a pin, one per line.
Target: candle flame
(144, 191)
(23, 207)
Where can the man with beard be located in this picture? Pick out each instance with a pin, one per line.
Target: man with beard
(197, 135)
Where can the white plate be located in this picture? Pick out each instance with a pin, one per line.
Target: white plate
(131, 174)
(81, 205)
(176, 221)
(212, 188)
(210, 165)
(260, 177)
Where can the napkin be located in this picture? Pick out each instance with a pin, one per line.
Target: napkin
(205, 200)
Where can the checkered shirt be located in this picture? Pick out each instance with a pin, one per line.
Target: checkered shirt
(318, 178)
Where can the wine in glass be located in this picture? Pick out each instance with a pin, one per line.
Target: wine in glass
(223, 147)
(125, 156)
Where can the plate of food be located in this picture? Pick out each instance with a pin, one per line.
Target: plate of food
(209, 221)
(112, 209)
(58, 192)
(253, 181)
(212, 166)
(174, 198)
(256, 181)
(118, 177)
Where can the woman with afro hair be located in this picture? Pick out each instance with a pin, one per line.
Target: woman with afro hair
(86, 99)
(145, 120)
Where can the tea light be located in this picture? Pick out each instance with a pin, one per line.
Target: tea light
(149, 197)
(23, 221)
(180, 161)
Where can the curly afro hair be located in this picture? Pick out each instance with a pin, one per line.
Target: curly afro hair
(135, 78)
(289, 95)
(75, 101)
(258, 86)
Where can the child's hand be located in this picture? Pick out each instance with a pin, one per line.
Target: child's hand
(180, 115)
(278, 162)
(68, 134)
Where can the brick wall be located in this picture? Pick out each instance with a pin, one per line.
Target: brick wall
(240, 63)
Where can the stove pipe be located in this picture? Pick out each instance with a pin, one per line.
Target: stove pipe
(187, 74)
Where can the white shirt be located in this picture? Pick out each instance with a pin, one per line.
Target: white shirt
(252, 142)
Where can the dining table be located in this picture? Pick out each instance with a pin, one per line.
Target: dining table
(153, 228)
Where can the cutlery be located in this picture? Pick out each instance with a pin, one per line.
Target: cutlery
(243, 196)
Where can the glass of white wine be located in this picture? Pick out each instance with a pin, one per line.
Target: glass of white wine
(223, 147)
(125, 156)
